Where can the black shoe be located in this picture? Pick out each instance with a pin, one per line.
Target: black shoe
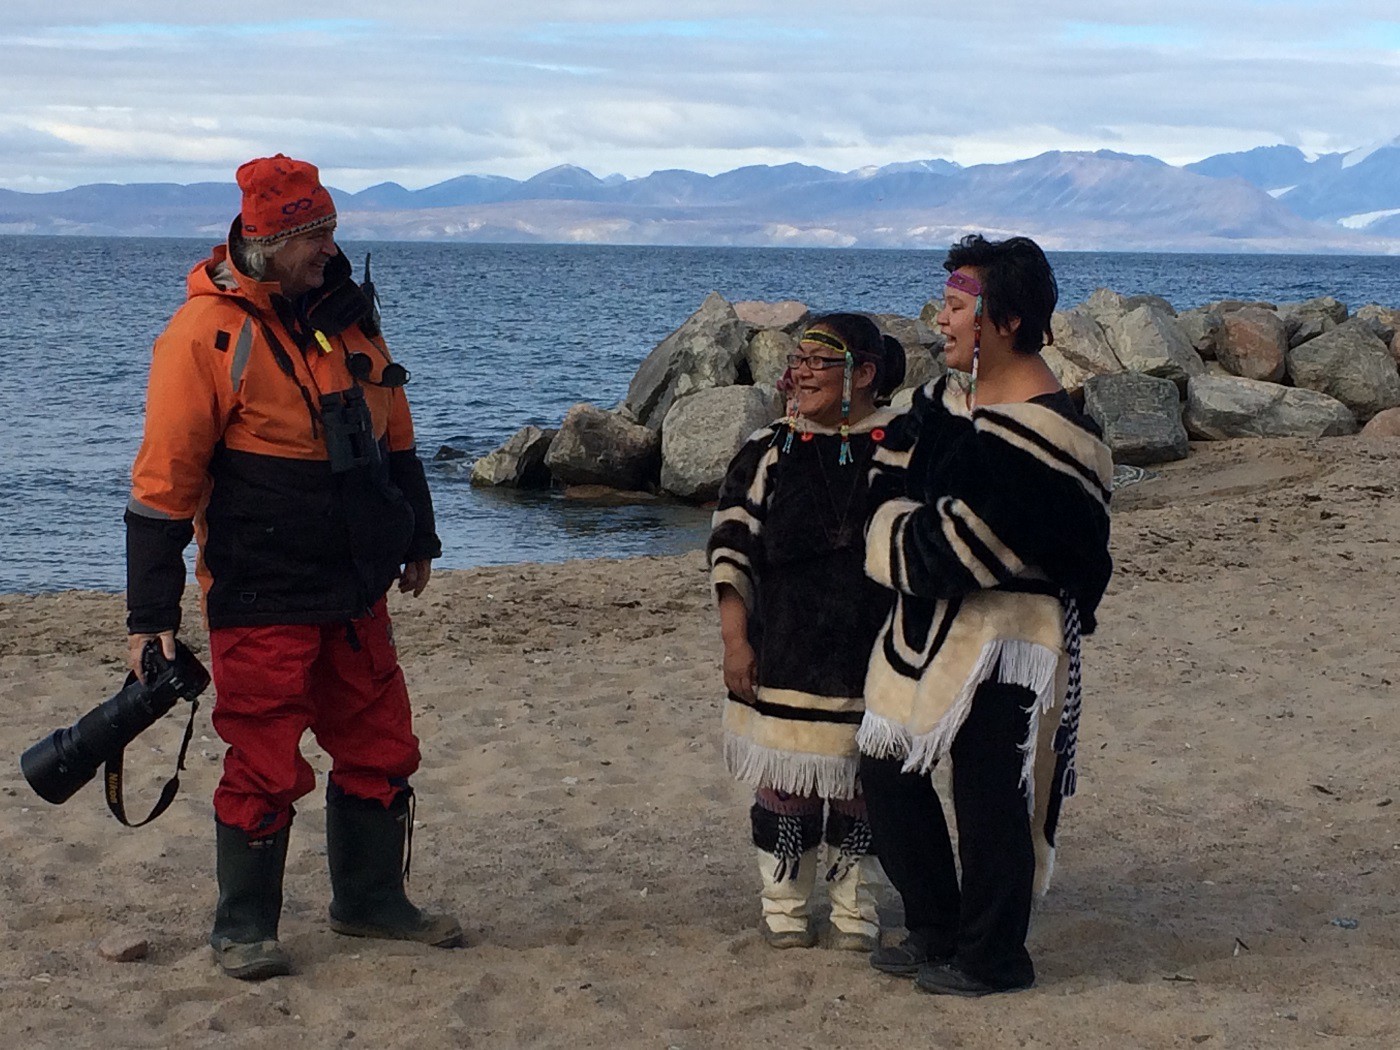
(905, 958)
(947, 979)
(244, 938)
(365, 848)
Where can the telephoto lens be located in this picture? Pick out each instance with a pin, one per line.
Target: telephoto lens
(57, 766)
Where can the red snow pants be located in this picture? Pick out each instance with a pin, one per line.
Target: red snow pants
(341, 681)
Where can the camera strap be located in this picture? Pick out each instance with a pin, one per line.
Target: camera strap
(112, 780)
(283, 359)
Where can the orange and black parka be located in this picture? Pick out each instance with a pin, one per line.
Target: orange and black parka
(242, 395)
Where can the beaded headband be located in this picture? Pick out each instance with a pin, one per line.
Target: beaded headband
(964, 282)
(815, 335)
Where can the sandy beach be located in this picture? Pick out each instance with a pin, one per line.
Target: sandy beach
(1228, 876)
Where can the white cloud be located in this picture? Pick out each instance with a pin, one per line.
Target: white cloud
(418, 91)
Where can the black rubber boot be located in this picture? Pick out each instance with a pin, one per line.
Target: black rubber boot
(250, 903)
(365, 843)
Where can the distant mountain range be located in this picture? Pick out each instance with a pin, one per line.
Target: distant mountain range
(1268, 199)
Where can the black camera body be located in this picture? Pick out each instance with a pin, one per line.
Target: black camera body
(57, 766)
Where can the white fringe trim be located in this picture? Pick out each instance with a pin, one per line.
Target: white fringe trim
(1029, 747)
(881, 737)
(792, 772)
(1016, 662)
(1033, 666)
(926, 749)
(1044, 868)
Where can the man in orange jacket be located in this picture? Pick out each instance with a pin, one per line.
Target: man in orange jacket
(277, 431)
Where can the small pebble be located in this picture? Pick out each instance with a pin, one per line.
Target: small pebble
(1346, 924)
(123, 947)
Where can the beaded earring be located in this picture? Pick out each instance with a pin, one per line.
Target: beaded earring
(788, 388)
(794, 404)
(970, 285)
(827, 339)
(845, 456)
(976, 351)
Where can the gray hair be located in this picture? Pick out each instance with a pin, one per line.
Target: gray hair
(251, 258)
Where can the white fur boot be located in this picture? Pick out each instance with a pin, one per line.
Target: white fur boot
(787, 899)
(854, 921)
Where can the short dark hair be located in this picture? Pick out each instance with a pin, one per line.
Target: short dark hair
(866, 342)
(1017, 282)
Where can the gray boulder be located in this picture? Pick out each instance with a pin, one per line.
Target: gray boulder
(1384, 321)
(1105, 306)
(596, 447)
(1321, 306)
(1150, 341)
(1254, 344)
(705, 351)
(519, 463)
(1080, 349)
(1302, 327)
(703, 431)
(787, 315)
(1231, 407)
(1351, 364)
(922, 343)
(920, 366)
(767, 354)
(1132, 302)
(912, 332)
(1204, 328)
(929, 314)
(1311, 318)
(1140, 416)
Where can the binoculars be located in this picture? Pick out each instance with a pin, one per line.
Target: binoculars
(349, 430)
(57, 766)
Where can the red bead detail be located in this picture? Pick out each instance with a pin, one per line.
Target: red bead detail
(877, 435)
(807, 435)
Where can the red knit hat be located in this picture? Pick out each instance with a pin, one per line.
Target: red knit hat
(282, 197)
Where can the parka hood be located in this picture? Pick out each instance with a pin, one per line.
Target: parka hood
(219, 275)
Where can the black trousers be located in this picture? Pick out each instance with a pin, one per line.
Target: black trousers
(980, 925)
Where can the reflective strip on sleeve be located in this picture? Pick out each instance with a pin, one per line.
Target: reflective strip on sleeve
(241, 351)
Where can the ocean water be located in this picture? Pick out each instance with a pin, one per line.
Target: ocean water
(496, 336)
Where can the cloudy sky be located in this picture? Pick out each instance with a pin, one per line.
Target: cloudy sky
(417, 91)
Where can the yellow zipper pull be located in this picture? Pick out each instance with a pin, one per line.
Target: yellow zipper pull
(326, 347)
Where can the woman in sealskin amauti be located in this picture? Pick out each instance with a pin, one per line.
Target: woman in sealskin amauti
(798, 617)
(996, 554)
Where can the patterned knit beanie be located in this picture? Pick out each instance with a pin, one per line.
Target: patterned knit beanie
(281, 198)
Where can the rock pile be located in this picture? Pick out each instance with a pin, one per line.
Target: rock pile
(1153, 378)
(1228, 369)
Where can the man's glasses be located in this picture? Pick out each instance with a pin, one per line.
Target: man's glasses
(815, 363)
